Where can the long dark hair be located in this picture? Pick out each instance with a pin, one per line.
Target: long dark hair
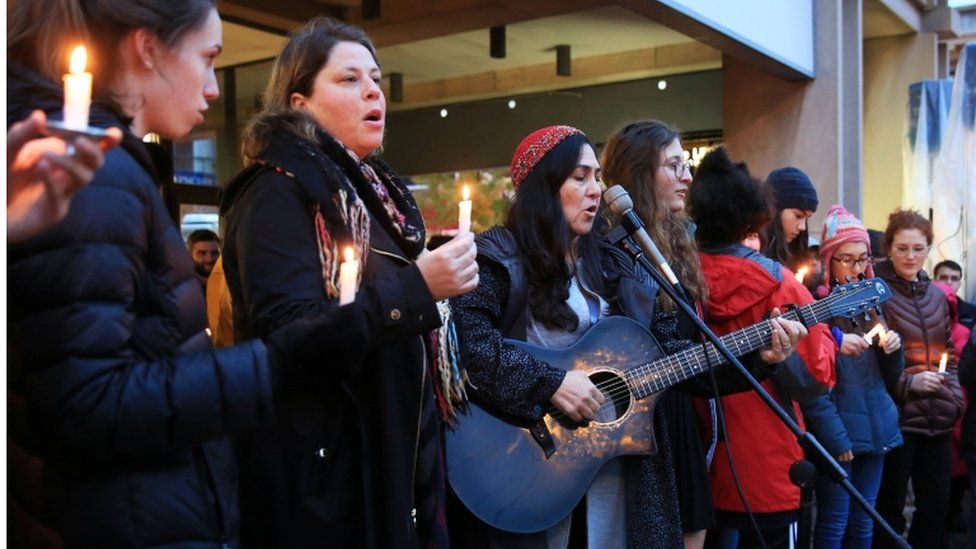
(305, 54)
(631, 159)
(537, 222)
(793, 254)
(43, 32)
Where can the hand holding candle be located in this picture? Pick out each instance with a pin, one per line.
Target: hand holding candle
(801, 273)
(879, 331)
(77, 91)
(464, 211)
(348, 277)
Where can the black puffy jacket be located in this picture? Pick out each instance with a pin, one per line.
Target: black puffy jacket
(128, 404)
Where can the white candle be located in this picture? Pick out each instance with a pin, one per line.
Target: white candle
(878, 330)
(942, 363)
(348, 275)
(464, 211)
(77, 90)
(800, 273)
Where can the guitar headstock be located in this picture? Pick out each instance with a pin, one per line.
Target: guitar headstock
(854, 298)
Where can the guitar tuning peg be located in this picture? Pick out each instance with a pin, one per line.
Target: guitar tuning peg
(861, 277)
(848, 279)
(854, 322)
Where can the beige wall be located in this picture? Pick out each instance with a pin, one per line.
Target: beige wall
(770, 122)
(890, 65)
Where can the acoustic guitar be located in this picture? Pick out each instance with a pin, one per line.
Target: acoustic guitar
(523, 476)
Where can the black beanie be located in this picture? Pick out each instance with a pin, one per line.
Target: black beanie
(792, 189)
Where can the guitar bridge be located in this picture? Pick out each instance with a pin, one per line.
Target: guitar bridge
(542, 437)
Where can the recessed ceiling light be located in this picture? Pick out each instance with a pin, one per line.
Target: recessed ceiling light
(662, 84)
(443, 113)
(512, 104)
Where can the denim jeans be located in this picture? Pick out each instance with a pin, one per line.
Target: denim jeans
(841, 522)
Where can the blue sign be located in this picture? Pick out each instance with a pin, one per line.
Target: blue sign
(199, 179)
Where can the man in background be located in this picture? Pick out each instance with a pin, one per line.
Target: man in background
(204, 246)
(950, 272)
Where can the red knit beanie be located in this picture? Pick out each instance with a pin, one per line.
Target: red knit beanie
(535, 146)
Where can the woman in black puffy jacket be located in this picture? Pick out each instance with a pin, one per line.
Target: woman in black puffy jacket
(116, 387)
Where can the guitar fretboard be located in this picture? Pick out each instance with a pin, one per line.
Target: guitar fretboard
(670, 370)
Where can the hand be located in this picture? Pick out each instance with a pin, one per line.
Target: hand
(848, 455)
(451, 270)
(891, 343)
(785, 334)
(853, 345)
(577, 397)
(42, 179)
(926, 382)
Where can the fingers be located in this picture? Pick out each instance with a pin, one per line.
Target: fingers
(112, 140)
(71, 174)
(22, 132)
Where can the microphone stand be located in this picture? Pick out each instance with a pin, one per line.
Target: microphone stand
(824, 462)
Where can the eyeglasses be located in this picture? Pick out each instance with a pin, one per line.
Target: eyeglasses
(906, 252)
(679, 169)
(848, 262)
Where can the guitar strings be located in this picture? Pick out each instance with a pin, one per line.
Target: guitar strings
(673, 363)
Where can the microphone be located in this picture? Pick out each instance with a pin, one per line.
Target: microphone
(620, 203)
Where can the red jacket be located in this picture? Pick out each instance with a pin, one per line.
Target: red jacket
(743, 288)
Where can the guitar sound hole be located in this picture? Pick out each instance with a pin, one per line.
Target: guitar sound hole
(617, 394)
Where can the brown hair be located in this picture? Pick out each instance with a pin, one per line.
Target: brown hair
(900, 220)
(42, 33)
(308, 50)
(631, 158)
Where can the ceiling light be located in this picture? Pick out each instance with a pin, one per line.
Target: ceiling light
(512, 104)
(662, 84)
(443, 113)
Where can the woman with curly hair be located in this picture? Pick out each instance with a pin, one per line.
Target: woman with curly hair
(929, 398)
(645, 157)
(728, 204)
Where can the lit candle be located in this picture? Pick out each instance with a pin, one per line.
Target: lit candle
(348, 275)
(77, 91)
(878, 330)
(942, 363)
(464, 211)
(800, 273)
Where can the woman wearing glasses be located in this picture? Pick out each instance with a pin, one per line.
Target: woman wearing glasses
(646, 158)
(928, 396)
(858, 421)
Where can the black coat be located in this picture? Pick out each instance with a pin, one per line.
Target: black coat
(127, 401)
(338, 469)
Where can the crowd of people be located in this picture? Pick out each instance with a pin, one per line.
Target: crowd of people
(225, 393)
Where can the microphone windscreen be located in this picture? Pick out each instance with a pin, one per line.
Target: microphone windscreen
(618, 200)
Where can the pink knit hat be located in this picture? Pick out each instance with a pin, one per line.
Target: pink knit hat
(841, 227)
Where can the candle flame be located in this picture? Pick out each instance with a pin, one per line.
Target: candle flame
(348, 254)
(800, 273)
(878, 330)
(79, 59)
(465, 193)
(942, 362)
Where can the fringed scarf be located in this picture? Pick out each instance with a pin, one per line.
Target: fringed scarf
(341, 212)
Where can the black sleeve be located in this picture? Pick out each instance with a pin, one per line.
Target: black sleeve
(967, 363)
(502, 375)
(100, 392)
(665, 330)
(281, 274)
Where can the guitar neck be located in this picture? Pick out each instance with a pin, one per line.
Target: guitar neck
(673, 369)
